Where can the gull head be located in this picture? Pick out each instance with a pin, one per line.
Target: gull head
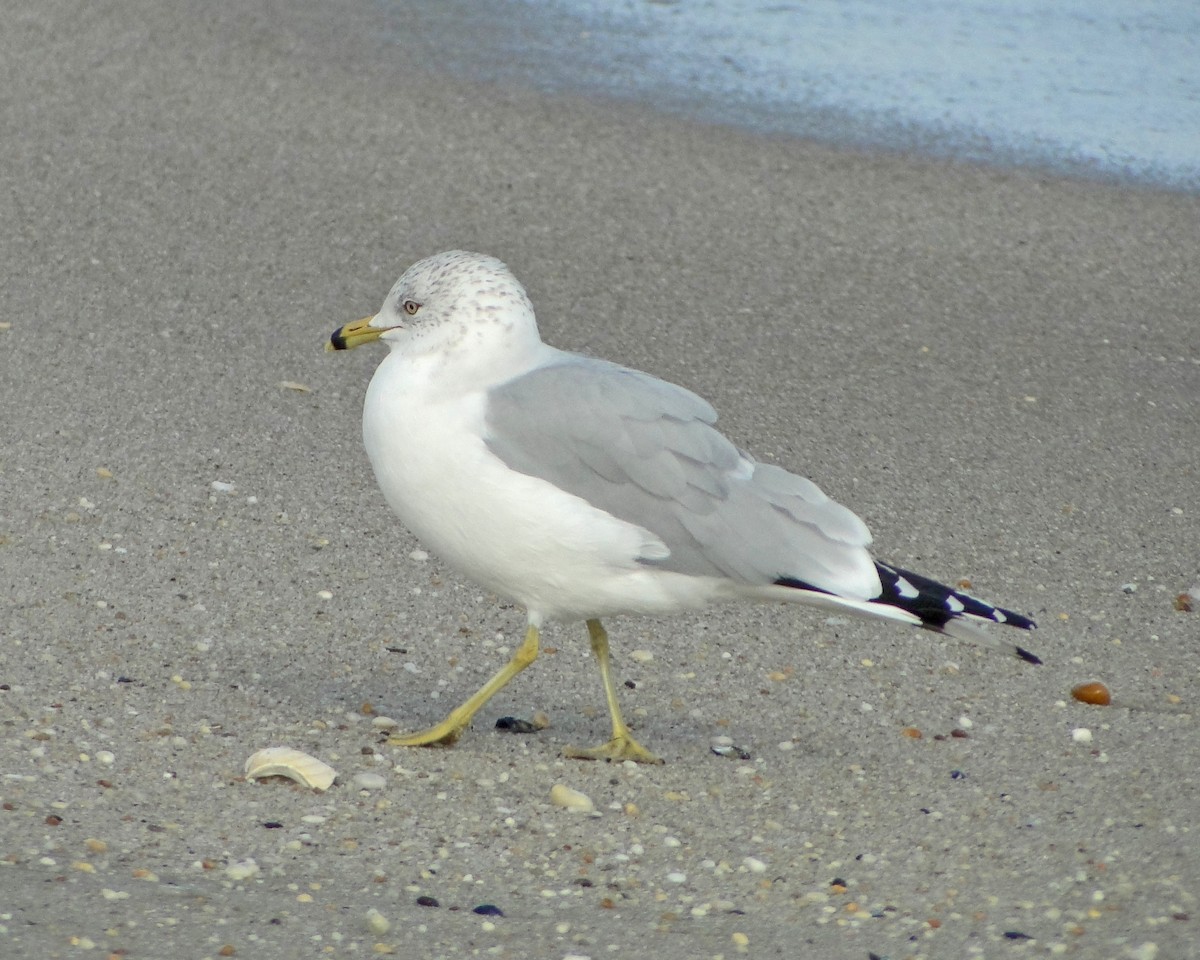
(452, 300)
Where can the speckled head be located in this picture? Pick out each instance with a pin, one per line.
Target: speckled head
(446, 302)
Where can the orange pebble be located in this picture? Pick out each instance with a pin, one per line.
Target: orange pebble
(1093, 692)
(912, 732)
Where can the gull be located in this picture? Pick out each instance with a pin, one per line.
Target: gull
(581, 489)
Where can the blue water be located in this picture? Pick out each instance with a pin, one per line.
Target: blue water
(1104, 88)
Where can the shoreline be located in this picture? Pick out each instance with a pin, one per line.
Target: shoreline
(618, 61)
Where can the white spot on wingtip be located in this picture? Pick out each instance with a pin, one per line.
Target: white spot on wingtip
(954, 605)
(906, 589)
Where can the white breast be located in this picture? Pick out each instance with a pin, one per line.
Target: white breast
(516, 535)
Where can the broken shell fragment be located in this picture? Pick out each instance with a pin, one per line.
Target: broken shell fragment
(563, 796)
(291, 763)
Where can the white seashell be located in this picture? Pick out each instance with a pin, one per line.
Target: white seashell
(563, 796)
(291, 763)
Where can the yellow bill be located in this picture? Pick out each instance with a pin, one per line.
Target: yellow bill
(354, 335)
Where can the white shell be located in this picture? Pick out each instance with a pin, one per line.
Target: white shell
(563, 796)
(291, 763)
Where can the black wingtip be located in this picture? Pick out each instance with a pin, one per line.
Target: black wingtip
(1028, 657)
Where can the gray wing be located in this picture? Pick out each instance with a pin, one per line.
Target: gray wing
(646, 451)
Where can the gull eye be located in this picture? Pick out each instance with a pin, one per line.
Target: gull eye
(411, 307)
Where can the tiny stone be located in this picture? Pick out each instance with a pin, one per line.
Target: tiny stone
(243, 870)
(370, 781)
(377, 923)
(641, 656)
(427, 902)
(1081, 735)
(488, 910)
(516, 725)
(563, 796)
(677, 877)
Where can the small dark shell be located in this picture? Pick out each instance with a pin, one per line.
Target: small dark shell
(516, 725)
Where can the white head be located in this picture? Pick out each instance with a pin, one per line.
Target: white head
(450, 302)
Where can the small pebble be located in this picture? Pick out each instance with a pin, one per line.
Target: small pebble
(488, 910)
(1081, 735)
(563, 796)
(377, 923)
(1093, 692)
(641, 656)
(427, 902)
(516, 725)
(370, 781)
(242, 870)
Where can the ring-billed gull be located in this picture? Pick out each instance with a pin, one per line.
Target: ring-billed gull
(581, 489)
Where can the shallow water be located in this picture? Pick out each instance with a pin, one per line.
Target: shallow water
(1104, 88)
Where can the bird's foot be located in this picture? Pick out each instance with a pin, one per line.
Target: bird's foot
(622, 747)
(444, 734)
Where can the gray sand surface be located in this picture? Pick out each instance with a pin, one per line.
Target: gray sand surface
(999, 372)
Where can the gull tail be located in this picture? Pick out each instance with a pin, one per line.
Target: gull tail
(948, 611)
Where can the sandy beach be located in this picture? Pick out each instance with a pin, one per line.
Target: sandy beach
(999, 371)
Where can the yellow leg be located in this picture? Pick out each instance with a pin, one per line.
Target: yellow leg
(622, 746)
(450, 729)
